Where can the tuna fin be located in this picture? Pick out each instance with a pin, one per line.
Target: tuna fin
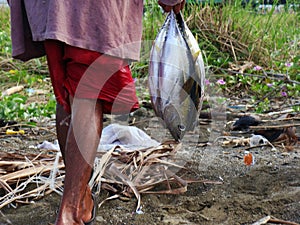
(188, 85)
(191, 89)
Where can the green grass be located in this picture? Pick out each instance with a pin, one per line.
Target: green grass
(232, 33)
(229, 35)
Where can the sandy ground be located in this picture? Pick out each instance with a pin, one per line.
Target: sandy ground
(270, 187)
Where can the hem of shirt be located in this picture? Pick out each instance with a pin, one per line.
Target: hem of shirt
(117, 52)
(18, 51)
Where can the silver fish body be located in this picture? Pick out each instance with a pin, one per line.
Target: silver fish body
(176, 77)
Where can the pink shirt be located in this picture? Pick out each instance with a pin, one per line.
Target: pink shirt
(113, 27)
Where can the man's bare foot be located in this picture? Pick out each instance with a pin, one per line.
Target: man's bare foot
(87, 206)
(71, 215)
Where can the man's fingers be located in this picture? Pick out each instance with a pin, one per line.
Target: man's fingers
(167, 8)
(181, 6)
(176, 8)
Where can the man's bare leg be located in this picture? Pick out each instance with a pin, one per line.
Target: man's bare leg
(81, 144)
(62, 127)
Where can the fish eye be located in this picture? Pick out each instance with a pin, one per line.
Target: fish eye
(181, 127)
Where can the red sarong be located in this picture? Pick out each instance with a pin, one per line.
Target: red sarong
(88, 74)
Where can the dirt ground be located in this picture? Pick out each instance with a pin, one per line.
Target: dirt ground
(270, 187)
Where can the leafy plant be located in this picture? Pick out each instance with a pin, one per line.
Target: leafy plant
(263, 106)
(16, 107)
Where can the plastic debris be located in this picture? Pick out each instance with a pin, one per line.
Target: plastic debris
(245, 122)
(127, 137)
(31, 91)
(256, 140)
(139, 211)
(249, 159)
(49, 145)
(14, 132)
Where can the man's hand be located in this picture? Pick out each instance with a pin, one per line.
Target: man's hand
(176, 8)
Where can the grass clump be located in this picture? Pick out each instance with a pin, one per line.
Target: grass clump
(236, 34)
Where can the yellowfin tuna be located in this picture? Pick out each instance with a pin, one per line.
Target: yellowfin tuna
(176, 76)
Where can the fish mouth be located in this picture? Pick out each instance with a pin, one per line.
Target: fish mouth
(180, 132)
(177, 133)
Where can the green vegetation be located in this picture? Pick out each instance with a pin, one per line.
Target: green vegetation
(251, 50)
(256, 52)
(35, 100)
(18, 107)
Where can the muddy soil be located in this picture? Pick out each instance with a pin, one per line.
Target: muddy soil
(270, 187)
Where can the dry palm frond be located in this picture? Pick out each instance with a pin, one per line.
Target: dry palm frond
(29, 177)
(150, 170)
(125, 173)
